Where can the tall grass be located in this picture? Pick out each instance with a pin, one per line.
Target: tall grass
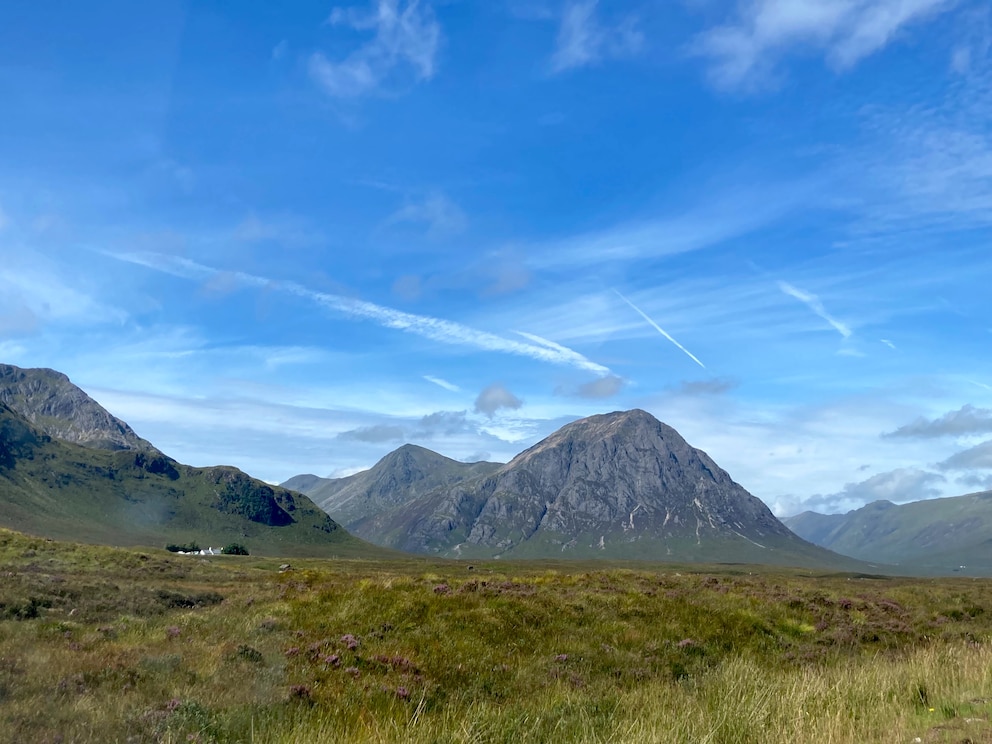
(98, 645)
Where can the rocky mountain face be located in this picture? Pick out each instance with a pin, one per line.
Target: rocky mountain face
(398, 478)
(50, 401)
(936, 535)
(620, 485)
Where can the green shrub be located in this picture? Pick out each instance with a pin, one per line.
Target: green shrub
(190, 547)
(234, 549)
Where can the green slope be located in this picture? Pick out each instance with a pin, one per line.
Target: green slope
(936, 535)
(62, 490)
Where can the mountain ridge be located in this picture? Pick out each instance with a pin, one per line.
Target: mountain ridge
(64, 490)
(621, 484)
(947, 534)
(49, 400)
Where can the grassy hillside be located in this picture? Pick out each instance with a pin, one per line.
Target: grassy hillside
(935, 535)
(61, 490)
(107, 645)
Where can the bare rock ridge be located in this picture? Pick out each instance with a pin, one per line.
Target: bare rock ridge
(620, 485)
(50, 401)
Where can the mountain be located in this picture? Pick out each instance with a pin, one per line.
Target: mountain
(618, 485)
(398, 478)
(50, 401)
(937, 535)
(141, 497)
(814, 526)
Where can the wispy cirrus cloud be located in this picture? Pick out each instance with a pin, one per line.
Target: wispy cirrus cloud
(434, 329)
(929, 165)
(584, 40)
(747, 51)
(442, 383)
(813, 303)
(717, 219)
(406, 36)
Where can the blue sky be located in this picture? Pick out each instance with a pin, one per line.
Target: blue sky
(293, 238)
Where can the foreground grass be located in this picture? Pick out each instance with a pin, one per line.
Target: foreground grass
(101, 645)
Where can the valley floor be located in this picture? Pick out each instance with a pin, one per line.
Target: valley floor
(105, 645)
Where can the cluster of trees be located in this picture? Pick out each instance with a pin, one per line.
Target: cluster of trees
(192, 547)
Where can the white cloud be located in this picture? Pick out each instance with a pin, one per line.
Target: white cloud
(746, 51)
(441, 215)
(494, 397)
(899, 486)
(814, 304)
(440, 382)
(406, 37)
(583, 40)
(966, 420)
(374, 434)
(978, 457)
(604, 387)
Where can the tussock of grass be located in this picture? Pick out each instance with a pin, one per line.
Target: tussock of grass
(140, 647)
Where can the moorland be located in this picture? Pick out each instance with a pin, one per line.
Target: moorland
(103, 644)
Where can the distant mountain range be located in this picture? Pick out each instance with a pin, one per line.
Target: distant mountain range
(621, 485)
(941, 535)
(618, 485)
(120, 490)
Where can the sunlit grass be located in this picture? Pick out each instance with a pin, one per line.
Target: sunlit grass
(100, 645)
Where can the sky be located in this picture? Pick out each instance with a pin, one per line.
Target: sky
(292, 237)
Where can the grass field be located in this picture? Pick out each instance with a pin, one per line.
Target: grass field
(107, 645)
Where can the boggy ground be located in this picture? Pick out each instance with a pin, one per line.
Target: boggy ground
(105, 645)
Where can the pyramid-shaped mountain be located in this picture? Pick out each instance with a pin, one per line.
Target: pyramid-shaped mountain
(619, 485)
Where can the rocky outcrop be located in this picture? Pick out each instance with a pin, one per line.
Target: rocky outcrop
(50, 401)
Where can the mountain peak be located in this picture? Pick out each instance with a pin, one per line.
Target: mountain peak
(620, 484)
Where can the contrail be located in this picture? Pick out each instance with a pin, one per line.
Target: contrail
(814, 304)
(435, 329)
(658, 328)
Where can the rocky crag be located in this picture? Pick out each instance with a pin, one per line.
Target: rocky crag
(50, 401)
